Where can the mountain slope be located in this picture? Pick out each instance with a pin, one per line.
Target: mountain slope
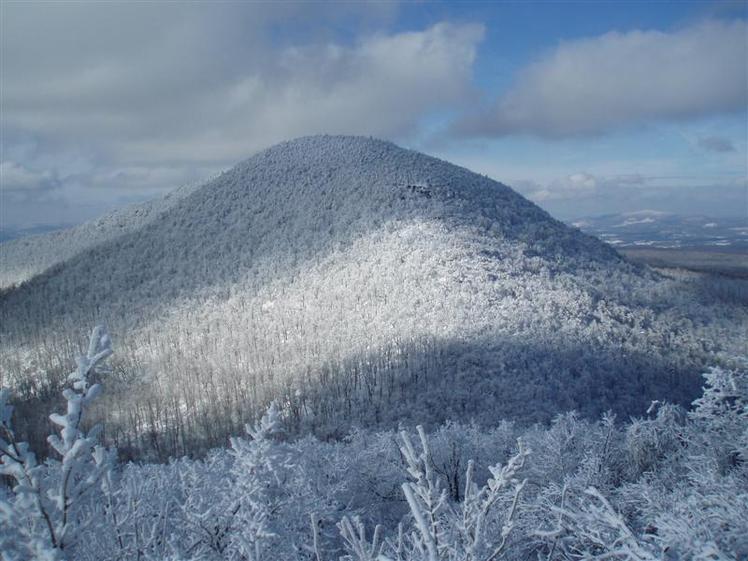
(358, 282)
(26, 257)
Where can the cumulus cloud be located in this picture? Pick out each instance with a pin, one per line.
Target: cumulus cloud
(16, 178)
(577, 186)
(155, 94)
(716, 144)
(592, 85)
(215, 84)
(382, 85)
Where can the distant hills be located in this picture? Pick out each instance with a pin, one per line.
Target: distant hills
(27, 252)
(356, 283)
(8, 233)
(649, 228)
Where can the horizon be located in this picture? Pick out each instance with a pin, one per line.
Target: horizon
(585, 109)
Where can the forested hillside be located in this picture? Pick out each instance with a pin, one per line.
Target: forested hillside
(27, 257)
(670, 485)
(356, 284)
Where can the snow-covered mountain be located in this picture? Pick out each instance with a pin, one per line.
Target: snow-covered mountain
(27, 256)
(358, 283)
(8, 233)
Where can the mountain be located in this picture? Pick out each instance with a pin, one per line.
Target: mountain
(26, 253)
(8, 233)
(650, 228)
(355, 282)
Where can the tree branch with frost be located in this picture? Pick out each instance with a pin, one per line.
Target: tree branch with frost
(314, 525)
(425, 496)
(19, 537)
(75, 446)
(459, 532)
(83, 461)
(478, 503)
(594, 530)
(356, 543)
(255, 471)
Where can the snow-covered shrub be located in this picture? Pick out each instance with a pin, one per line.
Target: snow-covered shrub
(590, 528)
(45, 513)
(471, 529)
(258, 486)
(722, 412)
(649, 442)
(671, 486)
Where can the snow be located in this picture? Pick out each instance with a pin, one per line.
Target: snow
(579, 489)
(406, 286)
(635, 221)
(24, 258)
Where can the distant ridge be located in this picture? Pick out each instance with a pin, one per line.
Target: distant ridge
(23, 258)
(361, 283)
(649, 228)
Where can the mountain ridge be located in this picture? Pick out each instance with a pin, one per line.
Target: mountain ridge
(211, 217)
(656, 229)
(133, 217)
(25, 257)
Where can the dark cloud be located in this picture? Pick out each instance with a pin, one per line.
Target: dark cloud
(155, 82)
(716, 144)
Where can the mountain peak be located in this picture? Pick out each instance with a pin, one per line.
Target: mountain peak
(332, 259)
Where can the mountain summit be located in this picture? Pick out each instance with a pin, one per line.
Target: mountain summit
(339, 183)
(356, 282)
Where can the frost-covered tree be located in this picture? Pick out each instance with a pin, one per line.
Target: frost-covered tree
(256, 478)
(359, 285)
(466, 531)
(723, 410)
(42, 515)
(673, 485)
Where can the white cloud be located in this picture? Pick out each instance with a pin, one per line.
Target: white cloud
(589, 86)
(579, 185)
(150, 96)
(383, 85)
(142, 178)
(15, 177)
(216, 85)
(573, 186)
(586, 194)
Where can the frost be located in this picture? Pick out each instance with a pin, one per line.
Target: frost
(320, 275)
(665, 487)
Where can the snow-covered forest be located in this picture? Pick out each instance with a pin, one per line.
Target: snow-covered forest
(341, 349)
(358, 280)
(358, 284)
(672, 484)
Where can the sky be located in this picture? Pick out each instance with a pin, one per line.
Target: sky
(586, 108)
